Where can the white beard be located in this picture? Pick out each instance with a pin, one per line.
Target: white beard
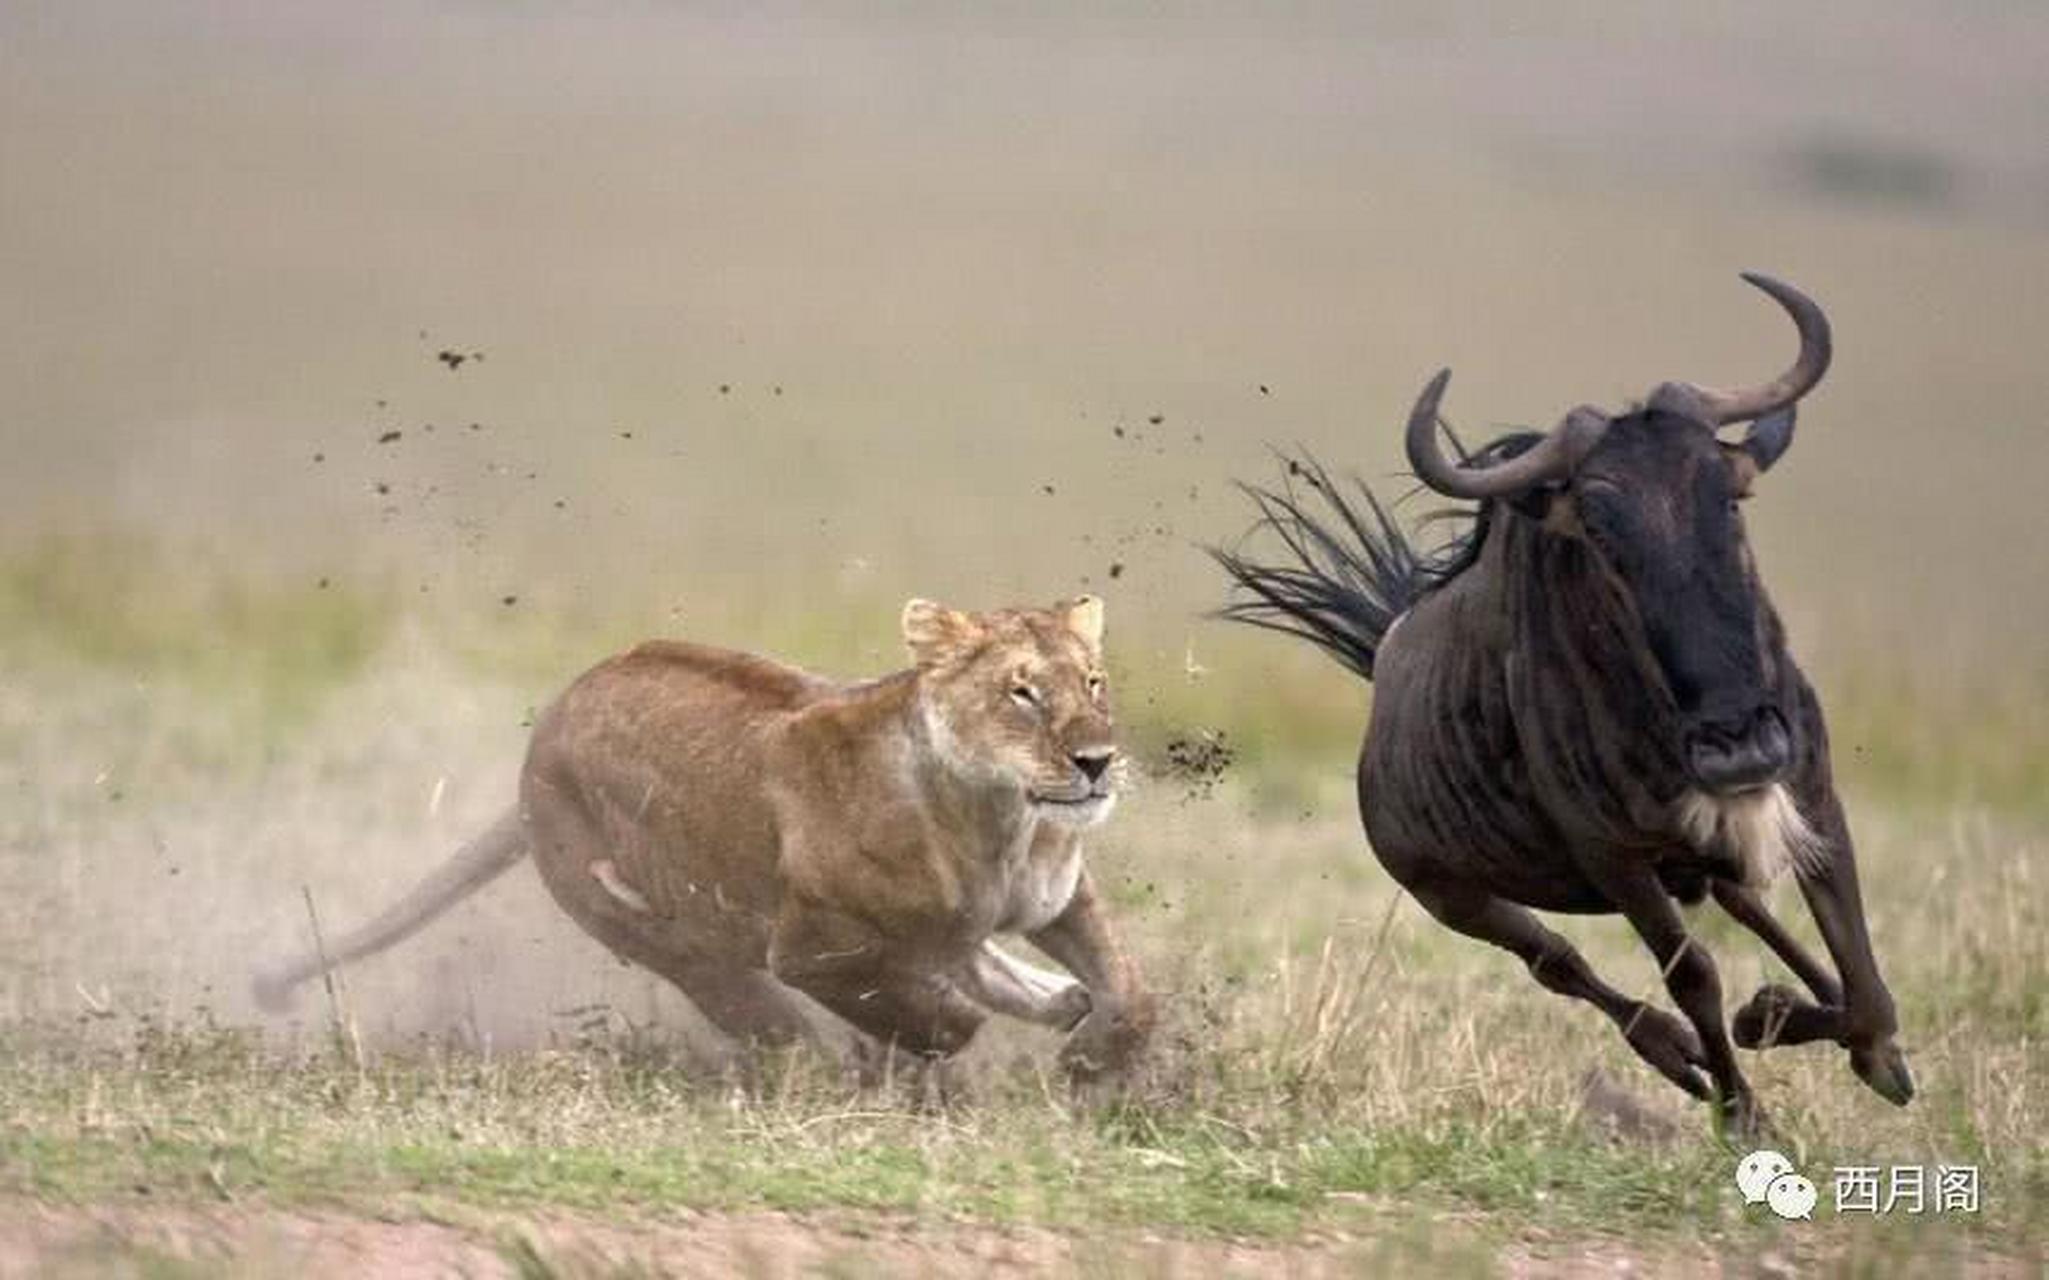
(1764, 828)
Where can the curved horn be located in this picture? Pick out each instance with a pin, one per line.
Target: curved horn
(1551, 458)
(1745, 404)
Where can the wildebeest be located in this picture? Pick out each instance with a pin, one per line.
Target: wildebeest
(1586, 704)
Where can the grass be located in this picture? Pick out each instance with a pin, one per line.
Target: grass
(116, 600)
(1335, 1067)
(212, 1116)
(265, 648)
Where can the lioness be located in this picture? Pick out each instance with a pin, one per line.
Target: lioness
(742, 827)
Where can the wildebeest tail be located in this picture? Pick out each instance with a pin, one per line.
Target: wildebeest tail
(1348, 571)
(474, 865)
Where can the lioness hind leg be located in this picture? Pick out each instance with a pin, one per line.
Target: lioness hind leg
(745, 1003)
(840, 961)
(705, 957)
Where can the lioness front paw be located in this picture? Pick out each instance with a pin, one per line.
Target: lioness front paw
(1109, 1039)
(1067, 1007)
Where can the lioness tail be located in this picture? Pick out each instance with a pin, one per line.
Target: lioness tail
(473, 866)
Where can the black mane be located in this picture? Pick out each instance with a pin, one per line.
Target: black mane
(1350, 570)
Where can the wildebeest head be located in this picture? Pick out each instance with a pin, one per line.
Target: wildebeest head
(1652, 495)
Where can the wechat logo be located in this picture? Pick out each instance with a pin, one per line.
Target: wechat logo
(1767, 1177)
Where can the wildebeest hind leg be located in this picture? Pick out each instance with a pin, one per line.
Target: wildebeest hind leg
(1658, 1038)
(1777, 1014)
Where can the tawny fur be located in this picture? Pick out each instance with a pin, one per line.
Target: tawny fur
(743, 828)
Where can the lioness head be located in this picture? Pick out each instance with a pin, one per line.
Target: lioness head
(1017, 698)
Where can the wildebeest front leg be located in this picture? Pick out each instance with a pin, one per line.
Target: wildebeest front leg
(1778, 1015)
(1869, 1021)
(1690, 977)
(1658, 1038)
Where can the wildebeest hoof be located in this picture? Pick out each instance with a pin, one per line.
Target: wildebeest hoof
(1757, 1024)
(1884, 1068)
(1742, 1119)
(1672, 1047)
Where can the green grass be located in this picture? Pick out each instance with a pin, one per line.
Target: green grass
(150, 609)
(266, 649)
(211, 1116)
(137, 621)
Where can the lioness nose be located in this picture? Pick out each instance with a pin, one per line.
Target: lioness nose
(1093, 762)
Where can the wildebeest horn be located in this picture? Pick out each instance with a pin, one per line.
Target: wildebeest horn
(1746, 404)
(1551, 458)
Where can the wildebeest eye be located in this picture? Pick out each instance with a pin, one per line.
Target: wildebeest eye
(1597, 517)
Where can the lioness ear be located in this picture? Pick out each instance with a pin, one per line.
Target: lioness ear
(1084, 617)
(932, 630)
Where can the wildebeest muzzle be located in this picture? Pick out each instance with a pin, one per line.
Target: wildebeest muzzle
(1753, 751)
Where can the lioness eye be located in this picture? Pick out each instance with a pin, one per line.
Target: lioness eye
(1025, 695)
(1095, 686)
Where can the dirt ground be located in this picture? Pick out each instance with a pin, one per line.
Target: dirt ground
(241, 1240)
(41, 1240)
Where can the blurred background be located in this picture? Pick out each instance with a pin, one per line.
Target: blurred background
(371, 370)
